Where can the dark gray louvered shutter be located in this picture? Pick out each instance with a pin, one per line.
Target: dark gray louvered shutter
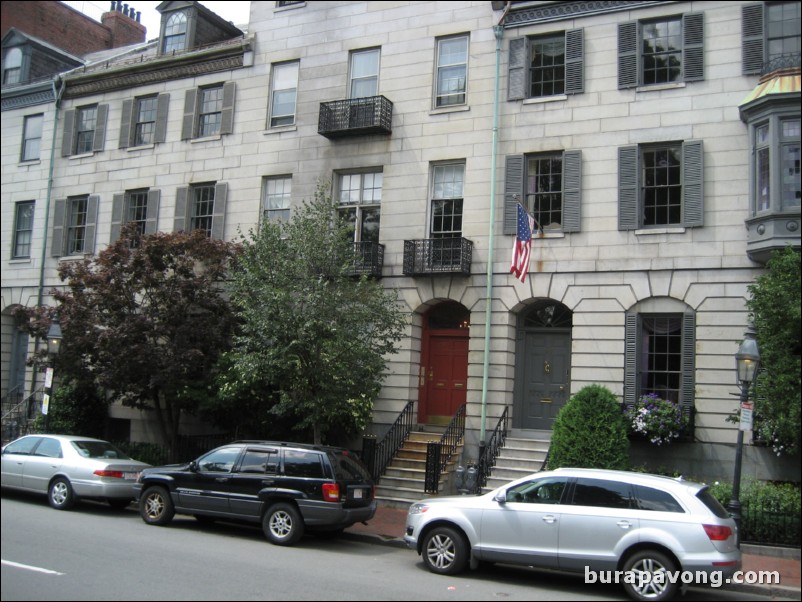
(227, 115)
(68, 137)
(162, 106)
(574, 61)
(516, 72)
(513, 191)
(152, 213)
(99, 139)
(752, 40)
(628, 187)
(688, 385)
(628, 37)
(631, 321)
(57, 240)
(572, 191)
(188, 125)
(181, 218)
(92, 205)
(117, 209)
(693, 206)
(693, 47)
(126, 126)
(219, 215)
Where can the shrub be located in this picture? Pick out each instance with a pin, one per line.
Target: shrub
(590, 432)
(658, 420)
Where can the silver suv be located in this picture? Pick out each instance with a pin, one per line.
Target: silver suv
(645, 527)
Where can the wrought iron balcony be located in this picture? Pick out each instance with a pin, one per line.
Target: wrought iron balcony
(437, 256)
(368, 259)
(355, 117)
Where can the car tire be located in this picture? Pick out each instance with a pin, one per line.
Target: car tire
(445, 551)
(60, 494)
(653, 566)
(283, 525)
(156, 506)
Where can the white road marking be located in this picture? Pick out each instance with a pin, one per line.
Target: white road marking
(30, 568)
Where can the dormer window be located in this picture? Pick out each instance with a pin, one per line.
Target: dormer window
(12, 66)
(175, 33)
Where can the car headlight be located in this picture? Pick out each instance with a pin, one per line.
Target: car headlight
(418, 508)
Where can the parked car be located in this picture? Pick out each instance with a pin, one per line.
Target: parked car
(68, 468)
(581, 520)
(287, 487)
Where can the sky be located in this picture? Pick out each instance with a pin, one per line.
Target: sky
(238, 12)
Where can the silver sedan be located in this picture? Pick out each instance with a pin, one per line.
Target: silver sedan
(67, 468)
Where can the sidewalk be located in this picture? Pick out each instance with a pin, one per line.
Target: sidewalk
(388, 527)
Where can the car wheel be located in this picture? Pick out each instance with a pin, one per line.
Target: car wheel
(60, 494)
(283, 524)
(445, 551)
(118, 503)
(650, 581)
(156, 507)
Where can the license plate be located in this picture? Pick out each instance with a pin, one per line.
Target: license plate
(131, 476)
(357, 494)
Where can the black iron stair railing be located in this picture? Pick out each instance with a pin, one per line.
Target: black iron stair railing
(438, 453)
(377, 456)
(489, 452)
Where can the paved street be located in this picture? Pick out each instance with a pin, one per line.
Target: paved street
(95, 553)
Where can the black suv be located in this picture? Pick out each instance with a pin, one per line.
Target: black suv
(288, 487)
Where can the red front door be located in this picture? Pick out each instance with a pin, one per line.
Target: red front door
(444, 376)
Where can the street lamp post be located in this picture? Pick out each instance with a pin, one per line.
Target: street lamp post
(54, 338)
(747, 363)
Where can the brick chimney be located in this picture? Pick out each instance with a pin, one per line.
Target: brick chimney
(123, 24)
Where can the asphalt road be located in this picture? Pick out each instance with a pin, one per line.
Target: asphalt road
(96, 553)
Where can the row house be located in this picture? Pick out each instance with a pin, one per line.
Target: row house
(656, 144)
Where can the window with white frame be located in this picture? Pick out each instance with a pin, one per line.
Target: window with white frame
(74, 225)
(770, 35)
(364, 75)
(32, 137)
(23, 229)
(208, 111)
(145, 126)
(452, 71)
(276, 195)
(12, 66)
(175, 33)
(211, 111)
(284, 93)
(359, 196)
(144, 120)
(85, 130)
(202, 211)
(140, 207)
(548, 65)
(448, 181)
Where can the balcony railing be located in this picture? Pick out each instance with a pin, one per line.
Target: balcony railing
(368, 259)
(355, 117)
(437, 256)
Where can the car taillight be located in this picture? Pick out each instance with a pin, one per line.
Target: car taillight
(114, 474)
(331, 492)
(718, 532)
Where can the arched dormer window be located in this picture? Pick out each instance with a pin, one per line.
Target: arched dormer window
(12, 66)
(175, 33)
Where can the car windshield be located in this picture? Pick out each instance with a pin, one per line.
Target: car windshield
(98, 449)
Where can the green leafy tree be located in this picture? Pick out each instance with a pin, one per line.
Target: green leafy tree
(590, 431)
(775, 306)
(145, 321)
(313, 338)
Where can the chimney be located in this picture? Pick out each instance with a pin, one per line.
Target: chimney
(123, 25)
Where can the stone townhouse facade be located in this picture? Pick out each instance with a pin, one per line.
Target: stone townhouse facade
(659, 166)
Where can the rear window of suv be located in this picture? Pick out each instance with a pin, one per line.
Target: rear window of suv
(298, 463)
(712, 503)
(348, 468)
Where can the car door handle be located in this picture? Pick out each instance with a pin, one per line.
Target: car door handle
(624, 524)
(222, 479)
(550, 519)
(268, 482)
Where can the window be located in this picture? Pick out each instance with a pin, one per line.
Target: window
(548, 65)
(32, 137)
(144, 121)
(175, 33)
(770, 33)
(74, 225)
(549, 186)
(138, 206)
(359, 196)
(539, 491)
(660, 353)
(23, 229)
(655, 500)
(49, 448)
(12, 66)
(208, 111)
(276, 195)
(661, 185)
(258, 461)
(202, 207)
(284, 93)
(447, 195)
(303, 464)
(777, 182)
(84, 130)
(661, 51)
(601, 494)
(364, 79)
(220, 460)
(452, 71)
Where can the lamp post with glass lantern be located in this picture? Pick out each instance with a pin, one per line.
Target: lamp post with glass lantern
(54, 338)
(747, 363)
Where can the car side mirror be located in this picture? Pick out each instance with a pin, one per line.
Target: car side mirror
(500, 497)
(193, 466)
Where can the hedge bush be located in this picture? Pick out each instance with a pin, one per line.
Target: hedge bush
(590, 431)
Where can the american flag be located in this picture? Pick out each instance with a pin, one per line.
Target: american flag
(523, 244)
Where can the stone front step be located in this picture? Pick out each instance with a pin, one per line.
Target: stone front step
(517, 459)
